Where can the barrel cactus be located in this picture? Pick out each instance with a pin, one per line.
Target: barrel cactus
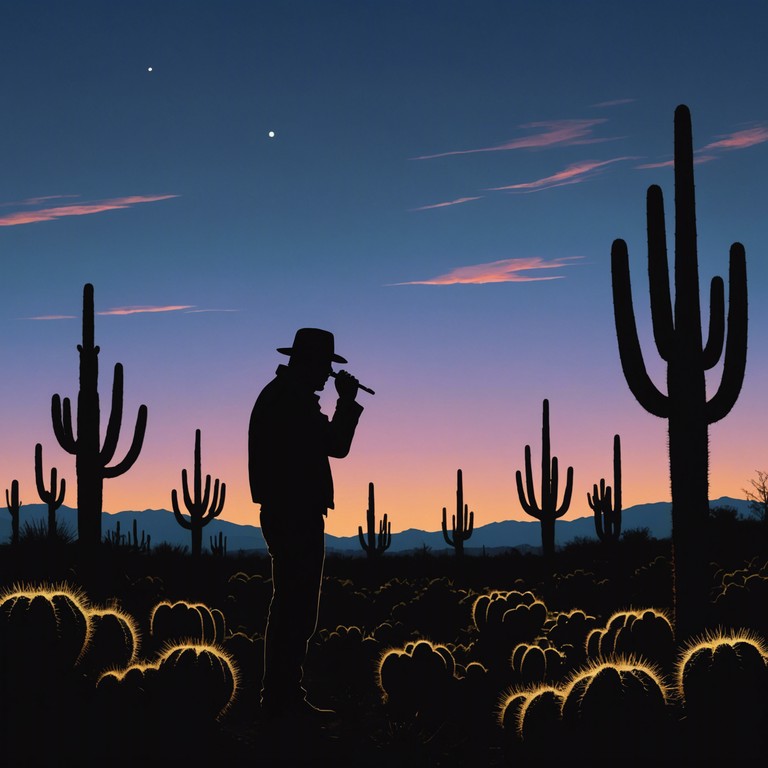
(183, 620)
(723, 681)
(614, 705)
(419, 678)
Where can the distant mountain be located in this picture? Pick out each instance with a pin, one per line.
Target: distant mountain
(161, 526)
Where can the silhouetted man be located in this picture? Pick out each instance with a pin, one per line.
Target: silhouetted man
(289, 442)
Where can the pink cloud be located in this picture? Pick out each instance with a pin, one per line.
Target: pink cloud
(573, 174)
(35, 200)
(739, 139)
(145, 309)
(78, 209)
(53, 317)
(503, 271)
(547, 134)
(614, 103)
(459, 201)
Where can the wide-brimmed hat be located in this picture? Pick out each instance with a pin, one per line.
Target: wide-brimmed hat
(313, 343)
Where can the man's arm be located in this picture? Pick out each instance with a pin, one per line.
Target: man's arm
(346, 416)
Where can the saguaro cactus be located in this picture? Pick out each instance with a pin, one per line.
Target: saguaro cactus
(14, 505)
(678, 335)
(54, 497)
(462, 522)
(605, 501)
(91, 457)
(372, 545)
(202, 507)
(548, 512)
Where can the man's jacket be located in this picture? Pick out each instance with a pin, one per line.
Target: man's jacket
(290, 440)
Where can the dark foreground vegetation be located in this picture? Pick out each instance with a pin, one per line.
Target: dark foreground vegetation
(429, 660)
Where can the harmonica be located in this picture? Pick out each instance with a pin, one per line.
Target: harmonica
(360, 386)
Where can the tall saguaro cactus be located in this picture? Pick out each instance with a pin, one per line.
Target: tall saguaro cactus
(678, 335)
(53, 497)
(373, 546)
(91, 456)
(605, 501)
(202, 507)
(548, 512)
(462, 523)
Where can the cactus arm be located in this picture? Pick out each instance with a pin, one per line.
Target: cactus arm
(735, 361)
(62, 424)
(528, 504)
(188, 502)
(180, 519)
(445, 529)
(134, 450)
(716, 335)
(363, 544)
(468, 530)
(658, 274)
(115, 418)
(216, 504)
(566, 494)
(630, 354)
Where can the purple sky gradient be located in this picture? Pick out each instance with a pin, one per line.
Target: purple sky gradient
(433, 166)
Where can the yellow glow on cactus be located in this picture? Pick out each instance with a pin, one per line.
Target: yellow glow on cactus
(128, 621)
(30, 591)
(711, 639)
(620, 664)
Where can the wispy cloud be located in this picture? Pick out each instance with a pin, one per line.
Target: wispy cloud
(548, 133)
(198, 311)
(749, 137)
(76, 209)
(459, 201)
(146, 309)
(186, 309)
(573, 174)
(503, 271)
(35, 201)
(613, 103)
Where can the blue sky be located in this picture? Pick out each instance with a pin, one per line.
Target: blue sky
(442, 191)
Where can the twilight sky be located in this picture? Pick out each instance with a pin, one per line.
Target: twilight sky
(441, 191)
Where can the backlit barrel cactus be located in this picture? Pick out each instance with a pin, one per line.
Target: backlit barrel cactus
(417, 679)
(114, 641)
(183, 620)
(723, 680)
(614, 707)
(647, 633)
(44, 630)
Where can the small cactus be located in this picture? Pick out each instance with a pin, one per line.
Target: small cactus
(462, 522)
(373, 546)
(202, 507)
(14, 505)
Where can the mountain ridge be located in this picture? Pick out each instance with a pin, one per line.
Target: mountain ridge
(161, 526)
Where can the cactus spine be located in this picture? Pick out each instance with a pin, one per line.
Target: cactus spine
(91, 458)
(462, 522)
(54, 497)
(202, 507)
(548, 512)
(14, 505)
(678, 335)
(372, 546)
(606, 501)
